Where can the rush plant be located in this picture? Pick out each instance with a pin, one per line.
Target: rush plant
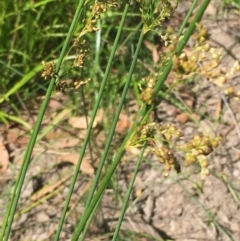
(145, 133)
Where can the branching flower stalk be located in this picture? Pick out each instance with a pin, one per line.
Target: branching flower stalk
(80, 45)
(204, 60)
(156, 12)
(160, 139)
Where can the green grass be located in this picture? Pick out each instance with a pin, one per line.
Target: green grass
(46, 31)
(232, 3)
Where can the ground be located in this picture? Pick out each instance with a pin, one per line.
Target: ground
(181, 207)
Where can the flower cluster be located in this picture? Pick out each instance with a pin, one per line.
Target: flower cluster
(89, 27)
(49, 69)
(198, 149)
(202, 59)
(155, 12)
(79, 44)
(97, 9)
(160, 139)
(147, 95)
(163, 149)
(81, 51)
(158, 136)
(230, 91)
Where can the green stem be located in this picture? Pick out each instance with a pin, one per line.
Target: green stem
(130, 188)
(187, 17)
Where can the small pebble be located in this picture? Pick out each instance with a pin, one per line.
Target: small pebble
(236, 173)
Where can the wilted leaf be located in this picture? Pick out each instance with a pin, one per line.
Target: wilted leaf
(154, 49)
(123, 123)
(218, 109)
(82, 122)
(4, 157)
(49, 188)
(65, 142)
(73, 158)
(182, 118)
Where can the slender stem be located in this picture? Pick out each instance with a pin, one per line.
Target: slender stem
(187, 17)
(82, 151)
(86, 227)
(126, 199)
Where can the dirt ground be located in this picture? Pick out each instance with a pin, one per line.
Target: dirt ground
(181, 207)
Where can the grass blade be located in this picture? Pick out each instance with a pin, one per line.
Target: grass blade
(130, 188)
